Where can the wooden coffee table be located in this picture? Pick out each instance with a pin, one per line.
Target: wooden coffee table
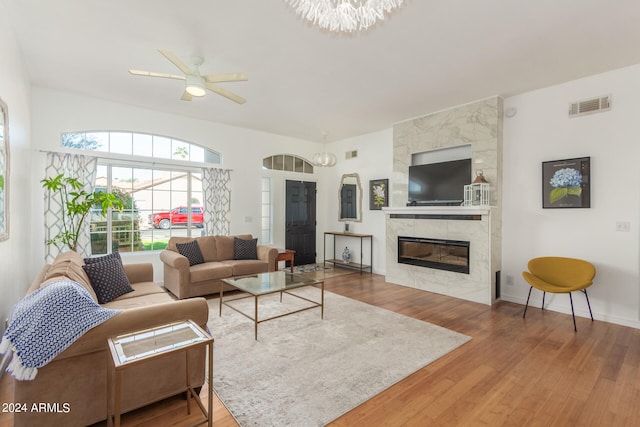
(257, 285)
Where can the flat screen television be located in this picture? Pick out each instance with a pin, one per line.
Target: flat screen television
(439, 183)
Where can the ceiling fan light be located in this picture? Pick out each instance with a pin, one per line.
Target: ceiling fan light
(195, 86)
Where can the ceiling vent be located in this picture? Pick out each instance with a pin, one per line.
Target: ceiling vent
(590, 106)
(351, 154)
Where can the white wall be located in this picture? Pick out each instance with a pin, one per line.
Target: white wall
(16, 269)
(542, 131)
(55, 112)
(374, 161)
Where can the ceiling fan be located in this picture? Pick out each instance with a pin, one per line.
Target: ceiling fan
(195, 83)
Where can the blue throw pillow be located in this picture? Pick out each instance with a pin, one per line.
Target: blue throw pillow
(108, 279)
(114, 255)
(245, 248)
(192, 251)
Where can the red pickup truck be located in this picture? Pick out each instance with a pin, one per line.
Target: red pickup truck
(178, 216)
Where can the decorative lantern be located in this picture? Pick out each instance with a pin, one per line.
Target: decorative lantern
(477, 193)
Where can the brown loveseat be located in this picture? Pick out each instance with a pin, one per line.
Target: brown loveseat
(78, 376)
(218, 252)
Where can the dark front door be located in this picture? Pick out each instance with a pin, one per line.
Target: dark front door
(300, 221)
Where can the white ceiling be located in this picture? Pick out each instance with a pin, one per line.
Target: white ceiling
(427, 56)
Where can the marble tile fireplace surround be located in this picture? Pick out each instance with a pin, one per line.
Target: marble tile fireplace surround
(469, 224)
(478, 124)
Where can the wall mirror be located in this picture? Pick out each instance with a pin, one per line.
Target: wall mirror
(4, 171)
(350, 198)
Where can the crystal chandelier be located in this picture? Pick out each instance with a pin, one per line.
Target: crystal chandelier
(324, 159)
(344, 15)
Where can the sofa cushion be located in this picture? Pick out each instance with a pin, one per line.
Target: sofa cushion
(192, 251)
(123, 303)
(143, 289)
(225, 246)
(210, 271)
(207, 247)
(245, 249)
(243, 267)
(108, 279)
(69, 265)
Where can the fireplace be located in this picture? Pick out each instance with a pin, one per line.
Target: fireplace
(450, 255)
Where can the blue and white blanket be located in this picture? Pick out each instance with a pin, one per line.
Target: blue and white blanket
(46, 322)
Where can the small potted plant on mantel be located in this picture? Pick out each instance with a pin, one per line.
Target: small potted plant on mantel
(76, 203)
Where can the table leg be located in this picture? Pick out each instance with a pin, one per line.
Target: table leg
(188, 381)
(210, 388)
(221, 287)
(255, 319)
(322, 300)
(291, 264)
(109, 393)
(116, 404)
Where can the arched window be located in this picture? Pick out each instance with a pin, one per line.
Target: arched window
(287, 162)
(140, 144)
(161, 199)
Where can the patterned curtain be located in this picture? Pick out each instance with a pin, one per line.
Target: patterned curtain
(217, 201)
(73, 165)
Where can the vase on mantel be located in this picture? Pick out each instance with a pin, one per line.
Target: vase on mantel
(346, 255)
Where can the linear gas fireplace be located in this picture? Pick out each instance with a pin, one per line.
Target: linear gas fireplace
(450, 255)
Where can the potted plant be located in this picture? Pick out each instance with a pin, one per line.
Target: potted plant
(76, 203)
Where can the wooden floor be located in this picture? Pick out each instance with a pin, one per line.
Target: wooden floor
(514, 372)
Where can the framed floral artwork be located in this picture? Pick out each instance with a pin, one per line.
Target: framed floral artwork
(566, 183)
(378, 194)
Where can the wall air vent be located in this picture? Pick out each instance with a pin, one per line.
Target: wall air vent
(351, 154)
(590, 106)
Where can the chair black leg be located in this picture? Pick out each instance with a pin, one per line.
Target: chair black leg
(543, 295)
(588, 305)
(575, 329)
(527, 305)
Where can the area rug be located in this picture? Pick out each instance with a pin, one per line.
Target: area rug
(305, 371)
(309, 268)
(320, 272)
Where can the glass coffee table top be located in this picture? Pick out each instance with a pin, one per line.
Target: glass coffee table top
(267, 283)
(257, 285)
(142, 344)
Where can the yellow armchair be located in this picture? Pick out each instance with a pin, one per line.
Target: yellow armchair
(559, 275)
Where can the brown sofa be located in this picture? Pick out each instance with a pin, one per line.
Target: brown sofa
(186, 281)
(78, 375)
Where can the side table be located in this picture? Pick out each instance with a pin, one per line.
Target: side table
(285, 255)
(141, 346)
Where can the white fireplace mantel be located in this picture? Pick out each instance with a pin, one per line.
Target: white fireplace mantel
(437, 210)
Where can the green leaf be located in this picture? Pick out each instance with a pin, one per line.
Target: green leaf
(574, 191)
(557, 194)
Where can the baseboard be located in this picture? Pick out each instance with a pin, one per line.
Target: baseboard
(537, 302)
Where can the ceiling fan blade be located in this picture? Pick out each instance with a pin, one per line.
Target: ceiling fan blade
(176, 61)
(225, 93)
(154, 74)
(186, 96)
(229, 77)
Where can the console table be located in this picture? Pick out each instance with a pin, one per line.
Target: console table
(340, 263)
